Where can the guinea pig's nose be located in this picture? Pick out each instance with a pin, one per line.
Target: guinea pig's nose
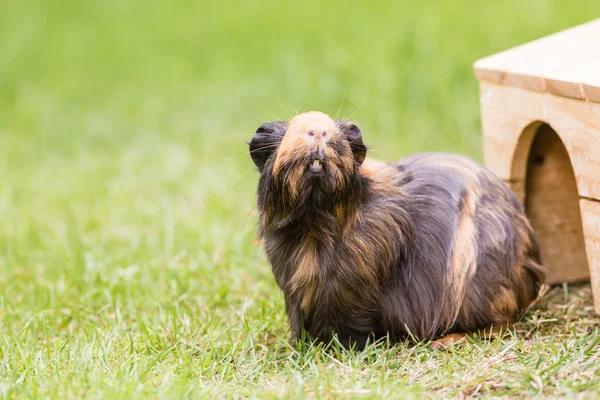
(315, 133)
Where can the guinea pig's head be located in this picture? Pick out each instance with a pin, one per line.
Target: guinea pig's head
(310, 154)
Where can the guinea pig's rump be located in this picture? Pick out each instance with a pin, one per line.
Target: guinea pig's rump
(469, 220)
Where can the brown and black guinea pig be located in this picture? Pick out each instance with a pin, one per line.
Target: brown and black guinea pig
(433, 247)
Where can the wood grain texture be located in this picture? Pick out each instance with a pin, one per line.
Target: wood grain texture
(580, 81)
(590, 211)
(565, 63)
(540, 108)
(510, 117)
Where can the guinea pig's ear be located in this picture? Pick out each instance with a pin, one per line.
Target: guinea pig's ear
(266, 141)
(354, 136)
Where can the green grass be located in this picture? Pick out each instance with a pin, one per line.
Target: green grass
(127, 267)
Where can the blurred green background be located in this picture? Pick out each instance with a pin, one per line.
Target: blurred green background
(124, 176)
(104, 73)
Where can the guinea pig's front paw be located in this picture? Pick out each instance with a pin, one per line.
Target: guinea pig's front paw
(448, 341)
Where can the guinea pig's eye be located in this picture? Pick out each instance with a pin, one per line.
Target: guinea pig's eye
(324, 133)
(311, 133)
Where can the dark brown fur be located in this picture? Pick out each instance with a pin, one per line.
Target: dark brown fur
(433, 245)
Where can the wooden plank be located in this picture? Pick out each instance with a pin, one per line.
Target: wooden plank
(508, 111)
(590, 211)
(554, 63)
(581, 81)
(583, 143)
(592, 91)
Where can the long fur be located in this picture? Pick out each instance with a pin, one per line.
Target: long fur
(431, 245)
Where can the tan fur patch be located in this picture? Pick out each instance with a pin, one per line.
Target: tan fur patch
(365, 256)
(523, 229)
(448, 341)
(383, 175)
(305, 278)
(367, 248)
(504, 307)
(385, 179)
(340, 211)
(463, 262)
(296, 138)
(339, 164)
(346, 217)
(296, 143)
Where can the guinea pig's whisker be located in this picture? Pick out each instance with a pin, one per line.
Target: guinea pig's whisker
(244, 178)
(280, 105)
(361, 102)
(251, 151)
(274, 146)
(343, 100)
(267, 146)
(354, 140)
(381, 153)
(233, 136)
(248, 216)
(267, 111)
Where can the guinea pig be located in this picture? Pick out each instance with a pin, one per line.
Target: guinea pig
(433, 247)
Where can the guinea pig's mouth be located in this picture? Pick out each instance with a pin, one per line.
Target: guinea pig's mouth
(316, 166)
